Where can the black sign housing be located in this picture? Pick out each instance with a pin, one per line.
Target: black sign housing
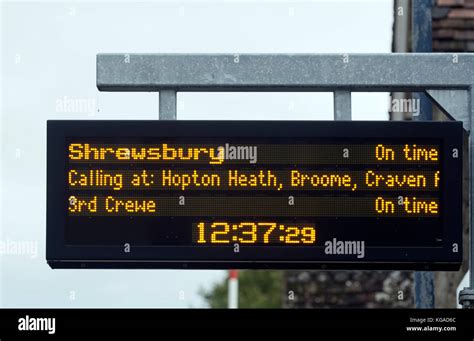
(254, 194)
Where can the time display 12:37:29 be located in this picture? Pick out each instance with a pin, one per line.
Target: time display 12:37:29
(253, 232)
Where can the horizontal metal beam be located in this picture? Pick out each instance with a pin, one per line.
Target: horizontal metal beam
(284, 72)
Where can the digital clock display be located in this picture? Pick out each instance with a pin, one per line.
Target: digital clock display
(249, 232)
(218, 194)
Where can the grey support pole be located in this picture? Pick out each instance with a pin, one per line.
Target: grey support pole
(421, 42)
(167, 109)
(471, 170)
(342, 106)
(466, 296)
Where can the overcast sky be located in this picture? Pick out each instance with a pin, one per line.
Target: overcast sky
(47, 56)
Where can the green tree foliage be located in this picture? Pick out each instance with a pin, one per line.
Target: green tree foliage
(257, 289)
